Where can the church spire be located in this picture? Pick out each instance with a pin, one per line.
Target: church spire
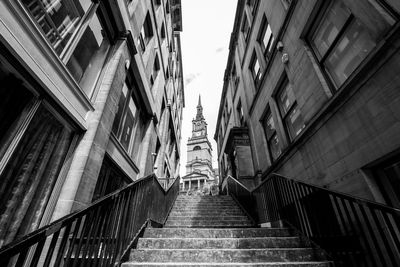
(199, 115)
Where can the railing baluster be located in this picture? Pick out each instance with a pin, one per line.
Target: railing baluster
(51, 248)
(72, 241)
(61, 249)
(21, 257)
(38, 252)
(383, 238)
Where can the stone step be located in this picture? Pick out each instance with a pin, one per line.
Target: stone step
(215, 264)
(216, 233)
(208, 217)
(224, 255)
(222, 243)
(205, 209)
(205, 205)
(227, 201)
(210, 213)
(208, 224)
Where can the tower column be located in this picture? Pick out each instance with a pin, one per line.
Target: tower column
(198, 183)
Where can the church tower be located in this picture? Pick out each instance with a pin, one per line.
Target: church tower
(199, 168)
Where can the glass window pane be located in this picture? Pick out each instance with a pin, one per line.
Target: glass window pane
(295, 122)
(88, 57)
(121, 104)
(350, 51)
(269, 126)
(267, 38)
(58, 19)
(330, 27)
(256, 67)
(27, 180)
(274, 147)
(128, 125)
(286, 99)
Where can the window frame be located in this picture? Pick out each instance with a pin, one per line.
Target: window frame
(95, 9)
(146, 32)
(256, 76)
(245, 32)
(320, 15)
(269, 49)
(264, 120)
(136, 131)
(284, 116)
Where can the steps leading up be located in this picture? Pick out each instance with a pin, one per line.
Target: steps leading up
(214, 231)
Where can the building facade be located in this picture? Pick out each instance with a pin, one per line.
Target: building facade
(91, 100)
(199, 170)
(311, 91)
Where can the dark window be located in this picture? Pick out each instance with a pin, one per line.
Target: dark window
(266, 39)
(34, 144)
(167, 7)
(156, 69)
(253, 5)
(110, 179)
(286, 3)
(162, 31)
(235, 79)
(128, 123)
(255, 69)
(157, 3)
(146, 32)
(245, 28)
(197, 148)
(290, 113)
(75, 31)
(271, 135)
(346, 34)
(240, 114)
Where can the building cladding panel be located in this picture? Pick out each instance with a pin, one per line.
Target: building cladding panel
(314, 112)
(107, 104)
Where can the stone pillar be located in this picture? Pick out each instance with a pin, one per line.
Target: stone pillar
(198, 183)
(190, 184)
(82, 175)
(163, 130)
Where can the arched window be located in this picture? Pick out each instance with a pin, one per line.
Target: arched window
(197, 148)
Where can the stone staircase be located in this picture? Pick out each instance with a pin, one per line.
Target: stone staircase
(214, 231)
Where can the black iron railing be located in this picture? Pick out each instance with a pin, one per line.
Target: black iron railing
(354, 231)
(100, 235)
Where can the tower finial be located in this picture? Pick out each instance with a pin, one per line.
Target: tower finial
(199, 115)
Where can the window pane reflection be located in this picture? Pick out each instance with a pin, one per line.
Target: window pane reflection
(57, 19)
(354, 46)
(330, 27)
(88, 57)
(295, 122)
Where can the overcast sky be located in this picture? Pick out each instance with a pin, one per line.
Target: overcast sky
(207, 25)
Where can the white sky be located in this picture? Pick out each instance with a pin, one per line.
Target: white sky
(207, 26)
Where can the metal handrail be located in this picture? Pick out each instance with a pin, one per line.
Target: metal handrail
(354, 231)
(100, 234)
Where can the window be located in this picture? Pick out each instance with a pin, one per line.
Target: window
(75, 31)
(253, 5)
(162, 32)
(347, 34)
(35, 143)
(156, 69)
(128, 124)
(266, 39)
(167, 7)
(110, 179)
(235, 78)
(255, 69)
(271, 136)
(245, 28)
(197, 148)
(240, 114)
(157, 3)
(286, 3)
(290, 113)
(146, 33)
